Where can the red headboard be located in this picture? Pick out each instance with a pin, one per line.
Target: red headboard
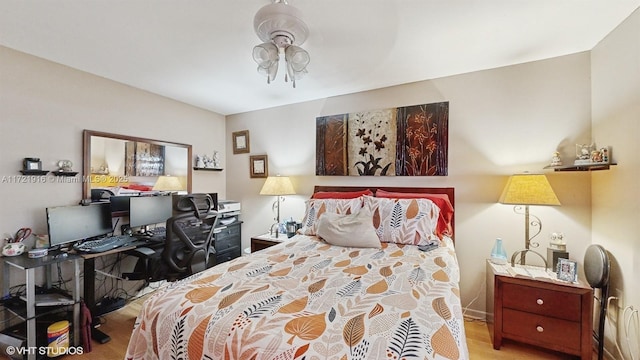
(449, 191)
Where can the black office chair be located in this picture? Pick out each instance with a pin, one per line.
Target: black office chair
(189, 243)
(596, 269)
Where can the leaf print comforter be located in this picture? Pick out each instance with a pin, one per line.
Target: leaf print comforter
(305, 299)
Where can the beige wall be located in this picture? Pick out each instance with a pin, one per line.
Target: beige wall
(45, 106)
(501, 121)
(616, 194)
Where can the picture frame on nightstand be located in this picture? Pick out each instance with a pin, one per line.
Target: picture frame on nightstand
(567, 270)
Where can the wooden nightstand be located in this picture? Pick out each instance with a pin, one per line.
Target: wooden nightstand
(550, 314)
(265, 240)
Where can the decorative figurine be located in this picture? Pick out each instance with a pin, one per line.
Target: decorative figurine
(216, 159)
(65, 165)
(199, 161)
(555, 160)
(208, 162)
(557, 241)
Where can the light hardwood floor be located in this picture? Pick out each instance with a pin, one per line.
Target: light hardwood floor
(118, 325)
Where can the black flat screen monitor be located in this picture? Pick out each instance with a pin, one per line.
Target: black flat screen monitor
(120, 205)
(72, 223)
(148, 210)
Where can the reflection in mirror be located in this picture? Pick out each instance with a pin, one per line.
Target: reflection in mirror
(123, 164)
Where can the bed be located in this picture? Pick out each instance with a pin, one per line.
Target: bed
(310, 298)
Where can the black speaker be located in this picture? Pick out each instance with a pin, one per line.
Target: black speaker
(552, 257)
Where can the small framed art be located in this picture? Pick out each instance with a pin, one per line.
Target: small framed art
(240, 142)
(258, 166)
(567, 270)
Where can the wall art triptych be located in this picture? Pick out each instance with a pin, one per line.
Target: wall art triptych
(403, 141)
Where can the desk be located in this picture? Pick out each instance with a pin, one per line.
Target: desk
(90, 286)
(23, 262)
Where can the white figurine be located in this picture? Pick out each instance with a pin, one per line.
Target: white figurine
(216, 159)
(208, 163)
(199, 161)
(555, 160)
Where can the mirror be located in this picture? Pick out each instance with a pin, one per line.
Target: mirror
(113, 161)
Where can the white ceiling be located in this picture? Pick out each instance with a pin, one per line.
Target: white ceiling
(199, 51)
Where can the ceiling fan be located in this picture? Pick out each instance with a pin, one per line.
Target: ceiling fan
(280, 27)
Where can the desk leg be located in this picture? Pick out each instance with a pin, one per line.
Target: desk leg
(31, 312)
(90, 298)
(76, 303)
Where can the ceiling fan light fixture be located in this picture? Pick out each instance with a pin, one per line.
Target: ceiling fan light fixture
(281, 28)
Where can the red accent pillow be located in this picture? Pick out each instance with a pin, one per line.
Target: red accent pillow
(341, 194)
(138, 187)
(441, 201)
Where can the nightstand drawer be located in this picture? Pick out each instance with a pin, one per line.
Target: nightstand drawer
(562, 305)
(543, 331)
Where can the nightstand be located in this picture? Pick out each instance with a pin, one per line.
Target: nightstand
(546, 313)
(265, 240)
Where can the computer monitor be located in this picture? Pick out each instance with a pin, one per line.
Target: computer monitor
(67, 224)
(148, 210)
(119, 205)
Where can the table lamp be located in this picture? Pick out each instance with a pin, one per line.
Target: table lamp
(523, 190)
(167, 183)
(278, 186)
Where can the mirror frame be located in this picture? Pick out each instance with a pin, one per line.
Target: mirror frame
(86, 153)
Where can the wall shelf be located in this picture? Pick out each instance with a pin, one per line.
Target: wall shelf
(207, 169)
(34, 172)
(64, 173)
(582, 167)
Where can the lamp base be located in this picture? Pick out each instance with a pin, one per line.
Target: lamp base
(523, 254)
(276, 233)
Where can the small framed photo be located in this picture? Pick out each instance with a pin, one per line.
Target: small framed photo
(240, 142)
(258, 166)
(567, 270)
(32, 164)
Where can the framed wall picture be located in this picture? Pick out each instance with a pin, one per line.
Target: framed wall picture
(240, 142)
(258, 166)
(567, 270)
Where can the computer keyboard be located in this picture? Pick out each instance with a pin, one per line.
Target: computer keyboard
(105, 244)
(158, 231)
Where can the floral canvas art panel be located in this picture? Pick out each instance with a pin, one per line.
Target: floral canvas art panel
(404, 141)
(372, 137)
(331, 145)
(423, 132)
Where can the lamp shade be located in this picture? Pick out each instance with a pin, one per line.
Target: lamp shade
(167, 183)
(277, 185)
(528, 189)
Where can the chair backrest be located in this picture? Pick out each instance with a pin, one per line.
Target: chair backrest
(596, 266)
(189, 236)
(596, 270)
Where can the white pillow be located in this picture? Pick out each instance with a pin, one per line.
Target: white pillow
(316, 208)
(353, 230)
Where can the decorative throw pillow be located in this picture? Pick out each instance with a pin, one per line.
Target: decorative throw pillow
(441, 200)
(316, 207)
(404, 221)
(354, 230)
(340, 194)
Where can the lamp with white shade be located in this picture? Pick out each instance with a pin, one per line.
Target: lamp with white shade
(277, 186)
(523, 190)
(167, 183)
